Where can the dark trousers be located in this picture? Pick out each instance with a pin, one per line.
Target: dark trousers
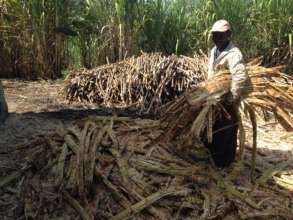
(224, 143)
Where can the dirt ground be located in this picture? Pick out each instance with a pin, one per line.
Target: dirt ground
(38, 108)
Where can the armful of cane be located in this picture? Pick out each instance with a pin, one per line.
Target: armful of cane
(268, 89)
(214, 88)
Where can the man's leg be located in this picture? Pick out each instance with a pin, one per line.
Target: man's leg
(224, 144)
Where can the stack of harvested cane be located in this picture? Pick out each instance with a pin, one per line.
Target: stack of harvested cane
(145, 82)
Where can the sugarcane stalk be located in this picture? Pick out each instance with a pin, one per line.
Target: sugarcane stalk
(254, 140)
(78, 208)
(136, 208)
(231, 190)
(4, 181)
(273, 171)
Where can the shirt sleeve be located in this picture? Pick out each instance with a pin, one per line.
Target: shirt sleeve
(211, 64)
(239, 74)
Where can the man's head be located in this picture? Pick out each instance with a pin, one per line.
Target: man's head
(221, 33)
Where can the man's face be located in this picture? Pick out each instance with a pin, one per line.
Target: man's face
(220, 38)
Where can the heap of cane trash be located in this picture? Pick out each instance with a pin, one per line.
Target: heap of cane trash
(113, 167)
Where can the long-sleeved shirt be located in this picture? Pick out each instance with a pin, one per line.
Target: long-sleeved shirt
(230, 58)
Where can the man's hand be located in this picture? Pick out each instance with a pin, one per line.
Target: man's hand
(232, 98)
(213, 99)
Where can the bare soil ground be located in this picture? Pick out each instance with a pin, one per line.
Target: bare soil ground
(38, 108)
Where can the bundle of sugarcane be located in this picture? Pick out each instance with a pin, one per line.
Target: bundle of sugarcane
(112, 168)
(144, 82)
(269, 90)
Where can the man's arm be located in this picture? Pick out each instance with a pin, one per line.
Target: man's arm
(239, 74)
(211, 64)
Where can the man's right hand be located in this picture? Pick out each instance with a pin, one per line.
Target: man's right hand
(230, 98)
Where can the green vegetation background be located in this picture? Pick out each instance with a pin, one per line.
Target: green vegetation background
(44, 38)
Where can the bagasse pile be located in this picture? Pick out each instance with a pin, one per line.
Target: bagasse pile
(112, 168)
(145, 82)
(119, 167)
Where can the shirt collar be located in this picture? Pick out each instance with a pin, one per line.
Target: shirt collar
(226, 50)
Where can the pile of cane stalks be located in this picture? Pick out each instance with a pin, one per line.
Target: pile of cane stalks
(145, 82)
(134, 168)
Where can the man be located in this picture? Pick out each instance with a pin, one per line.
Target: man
(3, 105)
(226, 56)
